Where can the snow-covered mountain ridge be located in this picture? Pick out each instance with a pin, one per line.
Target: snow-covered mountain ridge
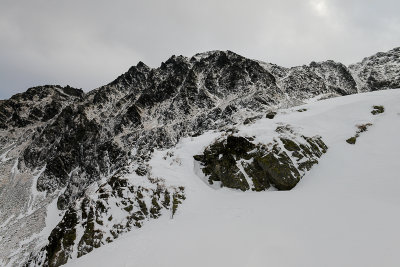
(59, 146)
(342, 213)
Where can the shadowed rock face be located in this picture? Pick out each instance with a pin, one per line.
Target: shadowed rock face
(78, 139)
(37, 104)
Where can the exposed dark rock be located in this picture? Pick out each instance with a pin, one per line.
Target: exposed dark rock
(37, 104)
(93, 216)
(270, 115)
(238, 163)
(62, 239)
(377, 110)
(279, 169)
(352, 140)
(360, 129)
(251, 119)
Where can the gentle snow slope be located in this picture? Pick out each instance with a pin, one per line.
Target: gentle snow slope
(344, 212)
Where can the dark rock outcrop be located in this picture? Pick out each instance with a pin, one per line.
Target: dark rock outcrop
(236, 162)
(92, 221)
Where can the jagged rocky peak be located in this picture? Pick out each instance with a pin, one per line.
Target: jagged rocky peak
(336, 75)
(37, 104)
(77, 140)
(206, 54)
(378, 72)
(328, 77)
(143, 109)
(135, 75)
(147, 108)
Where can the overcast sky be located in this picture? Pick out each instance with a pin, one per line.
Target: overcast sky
(89, 43)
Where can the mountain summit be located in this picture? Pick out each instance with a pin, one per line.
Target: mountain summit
(75, 167)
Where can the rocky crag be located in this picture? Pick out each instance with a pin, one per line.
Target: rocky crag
(237, 162)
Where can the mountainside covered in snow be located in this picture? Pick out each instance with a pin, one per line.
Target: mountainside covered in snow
(75, 168)
(342, 213)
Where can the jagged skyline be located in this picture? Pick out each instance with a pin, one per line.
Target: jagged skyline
(88, 44)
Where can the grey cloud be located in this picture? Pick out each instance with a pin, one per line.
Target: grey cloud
(88, 43)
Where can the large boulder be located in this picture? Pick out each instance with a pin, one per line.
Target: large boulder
(236, 162)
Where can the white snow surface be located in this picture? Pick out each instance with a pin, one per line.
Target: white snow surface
(344, 212)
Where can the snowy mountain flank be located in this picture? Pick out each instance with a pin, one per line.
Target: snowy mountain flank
(195, 159)
(342, 213)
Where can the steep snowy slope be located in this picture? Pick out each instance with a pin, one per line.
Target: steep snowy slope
(342, 213)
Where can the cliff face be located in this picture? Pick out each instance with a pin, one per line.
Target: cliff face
(62, 144)
(37, 104)
(327, 77)
(378, 72)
